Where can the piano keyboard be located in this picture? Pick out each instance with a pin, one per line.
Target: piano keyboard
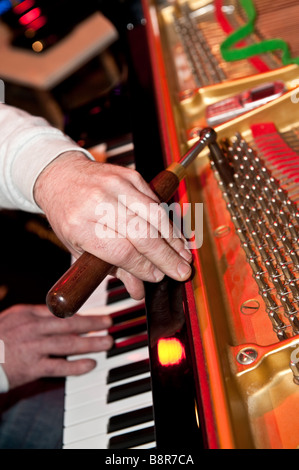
(112, 406)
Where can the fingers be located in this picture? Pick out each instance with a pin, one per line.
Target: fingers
(142, 220)
(134, 286)
(69, 345)
(48, 324)
(139, 238)
(150, 261)
(54, 348)
(63, 368)
(36, 341)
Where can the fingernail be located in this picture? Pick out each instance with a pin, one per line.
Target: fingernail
(107, 322)
(184, 270)
(158, 275)
(186, 254)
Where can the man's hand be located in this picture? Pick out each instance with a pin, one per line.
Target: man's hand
(36, 343)
(111, 212)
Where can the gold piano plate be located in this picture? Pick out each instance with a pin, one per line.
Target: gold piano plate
(192, 108)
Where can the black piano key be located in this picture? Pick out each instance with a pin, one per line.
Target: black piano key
(132, 439)
(124, 159)
(119, 142)
(130, 389)
(128, 314)
(114, 283)
(128, 345)
(128, 329)
(116, 295)
(129, 370)
(132, 418)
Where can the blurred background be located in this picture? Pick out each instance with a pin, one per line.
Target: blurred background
(71, 63)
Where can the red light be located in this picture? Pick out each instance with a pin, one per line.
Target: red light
(23, 6)
(170, 351)
(30, 16)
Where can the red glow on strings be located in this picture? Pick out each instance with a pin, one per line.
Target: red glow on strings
(30, 16)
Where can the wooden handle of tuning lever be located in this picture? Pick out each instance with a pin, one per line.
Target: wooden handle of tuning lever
(73, 289)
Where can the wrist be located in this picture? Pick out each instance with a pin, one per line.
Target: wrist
(55, 175)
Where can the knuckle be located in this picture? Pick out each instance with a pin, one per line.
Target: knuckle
(125, 253)
(137, 178)
(49, 368)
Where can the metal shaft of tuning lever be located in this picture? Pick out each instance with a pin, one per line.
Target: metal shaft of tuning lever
(73, 289)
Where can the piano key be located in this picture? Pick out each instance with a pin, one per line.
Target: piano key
(90, 411)
(134, 438)
(98, 376)
(128, 345)
(99, 425)
(87, 412)
(130, 418)
(84, 444)
(129, 389)
(114, 282)
(118, 150)
(93, 393)
(119, 348)
(117, 294)
(123, 315)
(128, 370)
(148, 445)
(101, 440)
(128, 329)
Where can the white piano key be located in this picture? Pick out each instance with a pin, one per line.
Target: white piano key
(86, 409)
(119, 150)
(92, 393)
(149, 445)
(97, 302)
(93, 443)
(78, 383)
(85, 444)
(97, 408)
(93, 309)
(98, 428)
(104, 438)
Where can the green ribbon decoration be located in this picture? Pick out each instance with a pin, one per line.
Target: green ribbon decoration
(231, 53)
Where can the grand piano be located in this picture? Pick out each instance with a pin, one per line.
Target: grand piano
(222, 366)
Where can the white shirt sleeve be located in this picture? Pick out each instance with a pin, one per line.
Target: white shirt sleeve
(27, 145)
(4, 385)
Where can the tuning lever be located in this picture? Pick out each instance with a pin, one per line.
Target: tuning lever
(73, 289)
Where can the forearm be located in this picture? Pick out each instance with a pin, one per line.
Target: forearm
(27, 145)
